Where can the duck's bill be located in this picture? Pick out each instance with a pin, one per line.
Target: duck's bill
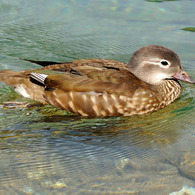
(183, 76)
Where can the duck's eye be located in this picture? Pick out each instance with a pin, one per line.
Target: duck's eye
(164, 63)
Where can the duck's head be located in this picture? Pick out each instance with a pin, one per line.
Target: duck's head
(154, 64)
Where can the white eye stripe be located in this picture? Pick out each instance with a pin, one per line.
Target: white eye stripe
(158, 62)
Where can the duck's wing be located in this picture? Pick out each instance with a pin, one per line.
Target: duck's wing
(90, 75)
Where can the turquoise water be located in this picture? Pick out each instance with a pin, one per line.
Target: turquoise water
(47, 151)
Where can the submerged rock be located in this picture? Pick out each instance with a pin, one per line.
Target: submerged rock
(186, 190)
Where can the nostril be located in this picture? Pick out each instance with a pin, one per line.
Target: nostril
(183, 74)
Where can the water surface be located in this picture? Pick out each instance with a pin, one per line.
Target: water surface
(44, 150)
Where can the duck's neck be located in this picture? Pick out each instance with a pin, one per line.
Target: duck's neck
(170, 90)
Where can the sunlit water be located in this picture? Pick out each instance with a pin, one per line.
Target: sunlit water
(44, 150)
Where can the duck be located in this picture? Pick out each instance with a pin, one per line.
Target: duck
(103, 87)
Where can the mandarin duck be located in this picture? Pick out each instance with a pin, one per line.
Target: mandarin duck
(100, 87)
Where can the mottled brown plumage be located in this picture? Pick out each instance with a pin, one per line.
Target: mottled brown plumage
(99, 87)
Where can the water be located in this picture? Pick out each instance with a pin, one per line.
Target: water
(44, 150)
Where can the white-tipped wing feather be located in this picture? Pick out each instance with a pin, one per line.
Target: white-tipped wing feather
(39, 77)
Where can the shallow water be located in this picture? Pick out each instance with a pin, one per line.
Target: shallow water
(44, 150)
